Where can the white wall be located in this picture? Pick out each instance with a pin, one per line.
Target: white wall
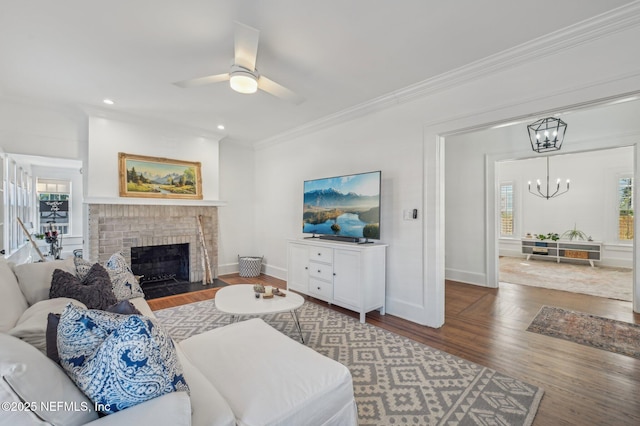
(109, 136)
(236, 217)
(590, 205)
(367, 145)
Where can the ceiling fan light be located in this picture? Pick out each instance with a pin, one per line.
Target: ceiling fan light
(243, 82)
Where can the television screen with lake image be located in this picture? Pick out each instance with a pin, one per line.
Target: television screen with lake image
(347, 206)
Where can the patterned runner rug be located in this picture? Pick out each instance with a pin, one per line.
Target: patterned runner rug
(396, 381)
(590, 330)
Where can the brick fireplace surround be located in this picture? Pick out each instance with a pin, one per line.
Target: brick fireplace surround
(118, 227)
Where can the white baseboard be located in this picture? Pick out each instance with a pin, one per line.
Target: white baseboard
(511, 252)
(408, 311)
(228, 268)
(616, 263)
(275, 271)
(466, 277)
(272, 271)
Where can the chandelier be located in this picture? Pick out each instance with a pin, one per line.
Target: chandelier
(547, 134)
(548, 194)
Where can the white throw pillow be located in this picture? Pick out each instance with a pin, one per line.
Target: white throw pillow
(35, 278)
(29, 376)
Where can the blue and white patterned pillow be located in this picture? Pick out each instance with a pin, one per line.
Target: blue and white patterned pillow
(82, 267)
(125, 285)
(117, 360)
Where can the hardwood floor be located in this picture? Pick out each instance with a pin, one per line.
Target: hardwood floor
(583, 385)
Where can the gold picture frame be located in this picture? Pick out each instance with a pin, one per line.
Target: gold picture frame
(156, 177)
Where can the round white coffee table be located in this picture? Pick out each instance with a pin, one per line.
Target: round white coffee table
(240, 299)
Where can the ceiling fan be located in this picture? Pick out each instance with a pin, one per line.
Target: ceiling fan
(243, 76)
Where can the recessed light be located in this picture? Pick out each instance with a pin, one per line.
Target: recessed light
(108, 101)
(220, 127)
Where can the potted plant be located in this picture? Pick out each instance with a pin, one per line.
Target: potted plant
(574, 234)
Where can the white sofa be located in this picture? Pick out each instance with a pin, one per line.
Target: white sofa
(246, 373)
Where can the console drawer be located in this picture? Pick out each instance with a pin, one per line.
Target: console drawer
(321, 271)
(321, 289)
(321, 254)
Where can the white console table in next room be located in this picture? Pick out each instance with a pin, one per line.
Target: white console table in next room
(349, 275)
(562, 249)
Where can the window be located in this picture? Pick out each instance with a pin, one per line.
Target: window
(506, 210)
(625, 208)
(53, 204)
(17, 205)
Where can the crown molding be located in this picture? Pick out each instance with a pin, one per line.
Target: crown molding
(532, 116)
(591, 29)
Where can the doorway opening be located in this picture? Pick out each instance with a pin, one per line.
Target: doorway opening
(580, 241)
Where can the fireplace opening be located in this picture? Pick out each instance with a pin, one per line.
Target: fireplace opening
(163, 264)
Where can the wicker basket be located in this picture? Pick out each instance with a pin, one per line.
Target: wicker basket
(576, 254)
(250, 266)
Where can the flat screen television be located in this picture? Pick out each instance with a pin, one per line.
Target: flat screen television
(343, 206)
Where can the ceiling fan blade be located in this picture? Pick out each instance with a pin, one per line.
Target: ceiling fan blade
(194, 82)
(246, 46)
(279, 91)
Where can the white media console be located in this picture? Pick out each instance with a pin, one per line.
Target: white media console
(562, 249)
(349, 275)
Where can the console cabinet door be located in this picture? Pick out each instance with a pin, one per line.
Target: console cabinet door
(347, 287)
(298, 268)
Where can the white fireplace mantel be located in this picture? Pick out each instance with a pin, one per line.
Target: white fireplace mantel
(153, 201)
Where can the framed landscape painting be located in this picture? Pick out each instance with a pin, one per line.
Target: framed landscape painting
(155, 177)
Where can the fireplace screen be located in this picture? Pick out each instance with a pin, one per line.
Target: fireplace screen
(161, 264)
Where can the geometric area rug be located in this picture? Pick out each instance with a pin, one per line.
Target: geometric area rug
(397, 381)
(590, 330)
